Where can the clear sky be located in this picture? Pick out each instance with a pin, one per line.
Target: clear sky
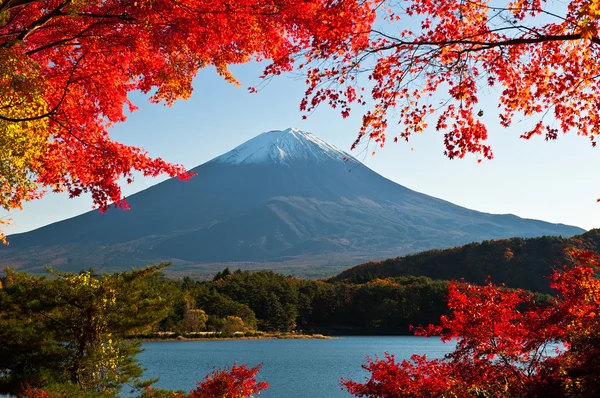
(551, 181)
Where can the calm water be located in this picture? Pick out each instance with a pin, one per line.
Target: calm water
(293, 368)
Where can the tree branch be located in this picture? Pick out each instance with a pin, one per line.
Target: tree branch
(55, 108)
(12, 4)
(484, 45)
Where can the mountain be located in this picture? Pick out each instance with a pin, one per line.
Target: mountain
(516, 262)
(284, 199)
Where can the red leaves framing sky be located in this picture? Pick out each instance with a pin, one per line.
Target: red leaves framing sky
(68, 66)
(430, 63)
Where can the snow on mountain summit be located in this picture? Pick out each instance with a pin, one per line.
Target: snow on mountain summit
(285, 147)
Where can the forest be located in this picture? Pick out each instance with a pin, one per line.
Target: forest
(271, 302)
(374, 298)
(516, 262)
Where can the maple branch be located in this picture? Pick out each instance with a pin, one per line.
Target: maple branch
(31, 118)
(538, 353)
(10, 20)
(63, 41)
(12, 4)
(57, 12)
(124, 16)
(508, 9)
(26, 31)
(55, 108)
(484, 45)
(42, 21)
(81, 140)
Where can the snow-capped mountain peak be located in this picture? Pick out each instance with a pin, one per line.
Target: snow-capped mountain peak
(285, 147)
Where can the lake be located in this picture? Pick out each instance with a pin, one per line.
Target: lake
(293, 368)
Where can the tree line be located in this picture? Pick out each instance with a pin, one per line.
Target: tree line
(272, 302)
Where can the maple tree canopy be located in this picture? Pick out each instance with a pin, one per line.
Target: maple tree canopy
(430, 62)
(66, 67)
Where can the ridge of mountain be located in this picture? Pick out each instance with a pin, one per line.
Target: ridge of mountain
(284, 200)
(516, 262)
(285, 147)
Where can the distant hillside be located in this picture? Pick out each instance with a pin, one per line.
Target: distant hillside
(516, 262)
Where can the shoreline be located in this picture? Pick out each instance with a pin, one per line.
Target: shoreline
(262, 336)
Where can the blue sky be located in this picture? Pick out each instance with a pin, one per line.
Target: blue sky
(551, 181)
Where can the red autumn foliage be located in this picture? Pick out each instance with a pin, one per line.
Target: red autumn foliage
(430, 64)
(239, 382)
(507, 345)
(70, 66)
(32, 392)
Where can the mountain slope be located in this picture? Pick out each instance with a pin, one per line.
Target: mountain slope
(516, 262)
(284, 197)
